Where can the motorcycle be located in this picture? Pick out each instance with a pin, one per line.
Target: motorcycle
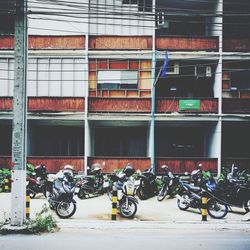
(37, 181)
(170, 184)
(191, 196)
(148, 186)
(61, 196)
(124, 184)
(234, 188)
(92, 185)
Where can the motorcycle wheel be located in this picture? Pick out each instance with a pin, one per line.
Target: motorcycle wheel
(32, 194)
(65, 210)
(163, 193)
(247, 205)
(216, 210)
(182, 205)
(130, 211)
(81, 194)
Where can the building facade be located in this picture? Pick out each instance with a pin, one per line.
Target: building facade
(96, 92)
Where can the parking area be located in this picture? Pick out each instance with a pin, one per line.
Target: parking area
(99, 209)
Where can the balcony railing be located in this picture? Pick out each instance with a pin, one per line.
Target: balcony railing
(181, 165)
(120, 42)
(111, 163)
(236, 44)
(187, 43)
(48, 104)
(235, 106)
(52, 163)
(178, 165)
(242, 163)
(116, 105)
(46, 42)
(173, 43)
(169, 105)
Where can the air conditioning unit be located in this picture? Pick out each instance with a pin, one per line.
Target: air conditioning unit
(173, 69)
(203, 71)
(161, 21)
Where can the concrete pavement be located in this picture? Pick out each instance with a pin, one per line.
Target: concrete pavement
(151, 214)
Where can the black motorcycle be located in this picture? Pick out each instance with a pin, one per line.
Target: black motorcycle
(191, 196)
(37, 181)
(147, 187)
(235, 193)
(170, 184)
(61, 198)
(91, 185)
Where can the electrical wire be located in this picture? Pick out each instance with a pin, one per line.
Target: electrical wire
(132, 79)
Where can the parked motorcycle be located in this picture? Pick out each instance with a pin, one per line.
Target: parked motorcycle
(148, 185)
(124, 184)
(170, 184)
(235, 189)
(61, 196)
(37, 181)
(92, 185)
(191, 196)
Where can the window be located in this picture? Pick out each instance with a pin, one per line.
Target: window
(129, 1)
(143, 5)
(6, 76)
(46, 77)
(240, 79)
(117, 79)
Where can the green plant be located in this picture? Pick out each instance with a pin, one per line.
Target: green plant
(29, 169)
(43, 222)
(6, 220)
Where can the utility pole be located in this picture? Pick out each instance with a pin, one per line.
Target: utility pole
(152, 125)
(19, 125)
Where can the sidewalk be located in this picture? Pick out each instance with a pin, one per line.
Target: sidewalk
(95, 213)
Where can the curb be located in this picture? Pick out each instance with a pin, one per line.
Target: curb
(156, 225)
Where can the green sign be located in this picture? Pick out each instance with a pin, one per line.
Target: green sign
(189, 105)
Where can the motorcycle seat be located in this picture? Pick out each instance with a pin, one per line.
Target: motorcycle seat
(192, 188)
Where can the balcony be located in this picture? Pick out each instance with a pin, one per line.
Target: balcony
(120, 42)
(242, 163)
(53, 163)
(119, 105)
(175, 43)
(170, 105)
(177, 165)
(181, 165)
(236, 105)
(236, 44)
(47, 104)
(112, 163)
(46, 42)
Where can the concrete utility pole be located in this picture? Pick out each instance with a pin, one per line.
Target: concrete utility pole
(19, 125)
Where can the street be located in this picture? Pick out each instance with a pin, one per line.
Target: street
(132, 239)
(158, 225)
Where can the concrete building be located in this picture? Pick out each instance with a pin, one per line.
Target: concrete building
(94, 89)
